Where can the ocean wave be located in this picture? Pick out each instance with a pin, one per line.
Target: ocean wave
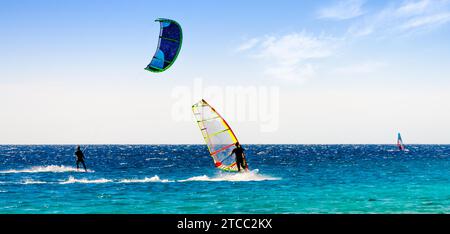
(153, 179)
(230, 177)
(41, 169)
(146, 180)
(163, 159)
(30, 181)
(237, 177)
(160, 166)
(73, 180)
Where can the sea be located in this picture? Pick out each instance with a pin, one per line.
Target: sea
(181, 179)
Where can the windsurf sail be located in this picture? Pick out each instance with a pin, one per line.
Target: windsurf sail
(400, 144)
(169, 45)
(218, 136)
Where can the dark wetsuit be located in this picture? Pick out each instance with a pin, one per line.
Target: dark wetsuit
(80, 159)
(239, 152)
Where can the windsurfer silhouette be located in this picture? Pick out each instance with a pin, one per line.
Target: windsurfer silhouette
(80, 158)
(240, 157)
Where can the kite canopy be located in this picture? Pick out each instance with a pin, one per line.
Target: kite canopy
(169, 45)
(218, 135)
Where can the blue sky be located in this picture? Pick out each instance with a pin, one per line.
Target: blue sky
(348, 71)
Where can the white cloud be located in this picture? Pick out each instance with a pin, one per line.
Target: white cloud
(294, 47)
(248, 44)
(434, 20)
(342, 10)
(300, 56)
(414, 7)
(292, 56)
(406, 17)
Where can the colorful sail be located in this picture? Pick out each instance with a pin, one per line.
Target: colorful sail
(169, 46)
(217, 134)
(400, 144)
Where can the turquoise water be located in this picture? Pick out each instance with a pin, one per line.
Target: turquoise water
(181, 179)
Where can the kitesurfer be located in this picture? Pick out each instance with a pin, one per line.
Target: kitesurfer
(240, 156)
(80, 158)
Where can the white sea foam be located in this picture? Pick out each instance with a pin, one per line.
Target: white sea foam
(236, 177)
(41, 169)
(73, 180)
(31, 181)
(231, 177)
(146, 180)
(153, 179)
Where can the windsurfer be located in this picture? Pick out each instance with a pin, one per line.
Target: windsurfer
(240, 156)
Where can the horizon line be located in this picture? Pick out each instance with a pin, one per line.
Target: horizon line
(70, 144)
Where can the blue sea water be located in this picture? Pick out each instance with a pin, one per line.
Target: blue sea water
(181, 179)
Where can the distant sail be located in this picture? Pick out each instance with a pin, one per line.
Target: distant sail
(400, 144)
(169, 46)
(217, 134)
